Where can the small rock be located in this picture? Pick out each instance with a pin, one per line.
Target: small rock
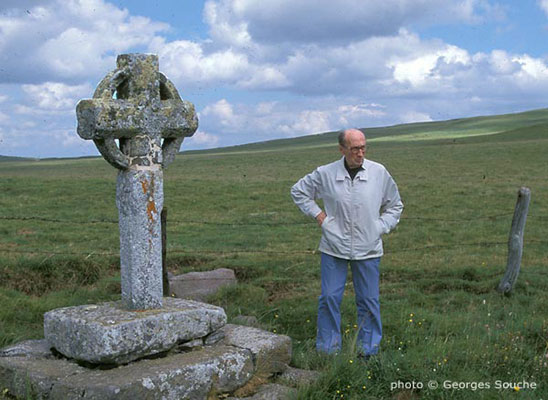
(298, 377)
(29, 349)
(200, 285)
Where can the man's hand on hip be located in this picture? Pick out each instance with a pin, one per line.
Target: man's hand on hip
(320, 218)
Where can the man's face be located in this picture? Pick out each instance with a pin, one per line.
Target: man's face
(354, 149)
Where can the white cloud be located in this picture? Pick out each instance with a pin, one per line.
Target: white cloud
(531, 68)
(49, 139)
(23, 109)
(56, 96)
(270, 77)
(240, 22)
(186, 62)
(414, 116)
(422, 67)
(223, 112)
(265, 108)
(299, 67)
(19, 6)
(189, 64)
(400, 63)
(29, 124)
(307, 122)
(224, 25)
(503, 63)
(68, 138)
(269, 120)
(203, 140)
(543, 4)
(351, 114)
(68, 39)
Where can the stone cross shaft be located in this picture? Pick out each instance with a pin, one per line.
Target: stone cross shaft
(140, 108)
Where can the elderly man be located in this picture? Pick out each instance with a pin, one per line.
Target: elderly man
(361, 203)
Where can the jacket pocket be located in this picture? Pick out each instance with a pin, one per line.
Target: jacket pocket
(380, 227)
(326, 222)
(330, 232)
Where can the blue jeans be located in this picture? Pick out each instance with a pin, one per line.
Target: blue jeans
(365, 275)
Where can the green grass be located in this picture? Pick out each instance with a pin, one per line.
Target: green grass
(231, 208)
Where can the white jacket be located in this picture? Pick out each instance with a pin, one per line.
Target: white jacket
(358, 211)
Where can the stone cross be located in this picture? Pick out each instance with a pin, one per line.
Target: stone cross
(140, 108)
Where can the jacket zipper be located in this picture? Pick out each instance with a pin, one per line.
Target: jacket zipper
(351, 219)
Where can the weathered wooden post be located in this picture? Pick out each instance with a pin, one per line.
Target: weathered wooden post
(515, 241)
(165, 276)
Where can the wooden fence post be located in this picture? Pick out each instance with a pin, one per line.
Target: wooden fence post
(165, 278)
(515, 241)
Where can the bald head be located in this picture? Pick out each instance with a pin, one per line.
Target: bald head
(352, 146)
(346, 135)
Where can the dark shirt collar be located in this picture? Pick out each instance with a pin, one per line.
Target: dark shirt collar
(352, 171)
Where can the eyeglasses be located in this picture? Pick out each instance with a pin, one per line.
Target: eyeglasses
(356, 149)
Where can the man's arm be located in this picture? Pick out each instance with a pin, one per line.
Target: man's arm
(392, 205)
(304, 193)
(320, 217)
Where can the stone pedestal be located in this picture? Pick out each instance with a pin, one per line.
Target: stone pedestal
(240, 362)
(109, 334)
(191, 375)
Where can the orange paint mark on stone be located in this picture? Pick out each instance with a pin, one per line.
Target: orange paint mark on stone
(151, 208)
(144, 185)
(151, 205)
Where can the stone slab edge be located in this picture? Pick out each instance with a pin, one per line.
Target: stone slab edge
(108, 334)
(271, 352)
(193, 375)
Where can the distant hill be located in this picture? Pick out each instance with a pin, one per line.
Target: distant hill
(11, 158)
(530, 124)
(518, 126)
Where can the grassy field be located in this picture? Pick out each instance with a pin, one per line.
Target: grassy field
(443, 321)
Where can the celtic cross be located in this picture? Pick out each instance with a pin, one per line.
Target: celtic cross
(138, 121)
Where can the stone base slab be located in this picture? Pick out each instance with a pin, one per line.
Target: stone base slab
(270, 391)
(271, 352)
(193, 375)
(33, 378)
(108, 334)
(239, 363)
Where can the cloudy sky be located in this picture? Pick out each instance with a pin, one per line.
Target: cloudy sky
(259, 70)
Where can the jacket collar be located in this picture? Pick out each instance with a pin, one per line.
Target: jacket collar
(342, 173)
